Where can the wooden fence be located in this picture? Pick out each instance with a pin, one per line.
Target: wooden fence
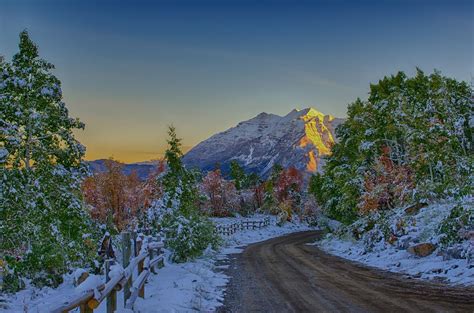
(229, 229)
(147, 255)
(137, 266)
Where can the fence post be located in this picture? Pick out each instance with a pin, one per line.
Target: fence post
(126, 251)
(112, 297)
(139, 241)
(84, 308)
(134, 238)
(159, 251)
(152, 256)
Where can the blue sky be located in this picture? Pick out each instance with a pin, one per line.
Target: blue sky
(129, 69)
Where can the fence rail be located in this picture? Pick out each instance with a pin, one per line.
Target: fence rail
(229, 229)
(147, 255)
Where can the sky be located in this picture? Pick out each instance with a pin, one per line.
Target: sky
(131, 68)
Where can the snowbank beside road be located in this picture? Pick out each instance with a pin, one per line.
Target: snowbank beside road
(423, 227)
(456, 271)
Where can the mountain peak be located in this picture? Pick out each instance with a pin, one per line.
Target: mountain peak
(305, 114)
(300, 139)
(310, 113)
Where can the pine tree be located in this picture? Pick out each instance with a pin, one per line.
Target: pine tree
(237, 173)
(42, 215)
(252, 180)
(178, 183)
(188, 232)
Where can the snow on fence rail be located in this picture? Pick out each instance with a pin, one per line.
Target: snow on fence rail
(147, 255)
(229, 229)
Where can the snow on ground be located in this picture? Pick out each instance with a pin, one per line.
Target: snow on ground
(238, 241)
(194, 286)
(185, 287)
(393, 257)
(35, 300)
(456, 271)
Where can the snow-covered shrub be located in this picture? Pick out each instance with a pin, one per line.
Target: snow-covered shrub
(310, 211)
(189, 236)
(461, 218)
(372, 238)
(363, 225)
(371, 229)
(285, 209)
(282, 218)
(386, 185)
(332, 226)
(246, 202)
(378, 234)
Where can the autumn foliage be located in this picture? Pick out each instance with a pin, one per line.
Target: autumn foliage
(387, 185)
(288, 185)
(117, 199)
(222, 198)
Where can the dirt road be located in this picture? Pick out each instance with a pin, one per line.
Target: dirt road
(286, 275)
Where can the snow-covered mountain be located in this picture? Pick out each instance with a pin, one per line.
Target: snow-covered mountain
(301, 138)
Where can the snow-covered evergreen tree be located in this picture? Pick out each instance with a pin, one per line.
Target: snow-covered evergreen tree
(42, 215)
(178, 183)
(188, 232)
(237, 174)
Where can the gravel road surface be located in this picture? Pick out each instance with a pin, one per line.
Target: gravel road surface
(285, 274)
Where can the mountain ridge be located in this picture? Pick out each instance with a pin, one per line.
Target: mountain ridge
(300, 138)
(142, 169)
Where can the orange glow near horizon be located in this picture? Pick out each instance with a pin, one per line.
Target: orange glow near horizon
(119, 153)
(126, 156)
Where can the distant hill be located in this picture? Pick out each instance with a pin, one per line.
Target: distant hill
(143, 169)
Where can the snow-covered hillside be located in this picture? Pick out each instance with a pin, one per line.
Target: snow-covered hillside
(298, 139)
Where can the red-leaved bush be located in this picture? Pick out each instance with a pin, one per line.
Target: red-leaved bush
(117, 199)
(387, 185)
(222, 198)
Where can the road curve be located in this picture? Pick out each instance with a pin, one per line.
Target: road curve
(286, 275)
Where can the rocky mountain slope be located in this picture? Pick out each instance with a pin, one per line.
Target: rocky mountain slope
(301, 138)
